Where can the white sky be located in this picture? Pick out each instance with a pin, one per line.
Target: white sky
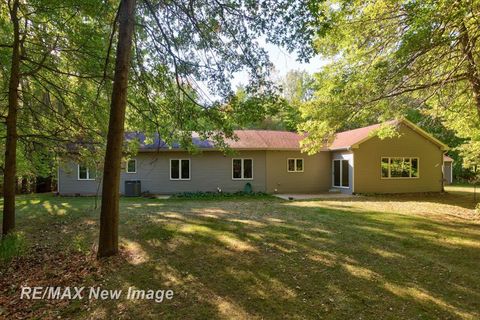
(283, 62)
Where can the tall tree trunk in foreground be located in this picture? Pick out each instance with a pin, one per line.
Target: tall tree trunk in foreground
(473, 75)
(9, 182)
(108, 242)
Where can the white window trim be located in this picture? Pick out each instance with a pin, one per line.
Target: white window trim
(399, 178)
(88, 174)
(241, 168)
(180, 169)
(295, 165)
(126, 169)
(341, 173)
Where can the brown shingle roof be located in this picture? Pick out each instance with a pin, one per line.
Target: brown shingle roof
(283, 140)
(348, 138)
(269, 139)
(447, 158)
(246, 140)
(266, 139)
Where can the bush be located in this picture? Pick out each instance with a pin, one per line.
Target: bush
(11, 246)
(217, 195)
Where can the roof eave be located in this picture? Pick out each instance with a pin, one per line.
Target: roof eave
(425, 134)
(348, 148)
(216, 149)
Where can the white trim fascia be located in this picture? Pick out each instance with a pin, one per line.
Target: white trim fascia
(412, 126)
(219, 150)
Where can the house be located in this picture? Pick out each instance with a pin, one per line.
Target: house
(357, 161)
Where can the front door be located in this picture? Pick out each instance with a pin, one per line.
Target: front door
(341, 173)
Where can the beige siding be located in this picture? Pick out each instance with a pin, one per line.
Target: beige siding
(367, 158)
(315, 178)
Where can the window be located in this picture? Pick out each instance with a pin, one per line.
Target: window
(132, 166)
(85, 173)
(399, 167)
(341, 176)
(179, 169)
(295, 165)
(242, 169)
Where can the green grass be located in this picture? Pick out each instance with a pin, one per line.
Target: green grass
(388, 257)
(11, 246)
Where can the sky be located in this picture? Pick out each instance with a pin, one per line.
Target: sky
(283, 62)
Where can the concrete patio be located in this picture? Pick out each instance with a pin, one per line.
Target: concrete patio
(313, 196)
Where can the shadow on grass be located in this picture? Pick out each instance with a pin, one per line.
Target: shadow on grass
(274, 259)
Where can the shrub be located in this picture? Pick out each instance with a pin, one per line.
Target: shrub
(217, 195)
(11, 246)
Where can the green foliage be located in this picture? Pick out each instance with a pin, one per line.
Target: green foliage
(186, 54)
(218, 195)
(12, 245)
(63, 51)
(394, 59)
(276, 109)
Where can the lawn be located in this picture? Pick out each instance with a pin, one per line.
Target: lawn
(409, 256)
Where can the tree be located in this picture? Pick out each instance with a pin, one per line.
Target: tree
(277, 109)
(11, 124)
(185, 53)
(297, 89)
(108, 242)
(49, 47)
(392, 56)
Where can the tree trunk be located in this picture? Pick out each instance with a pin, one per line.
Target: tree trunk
(472, 69)
(9, 182)
(108, 241)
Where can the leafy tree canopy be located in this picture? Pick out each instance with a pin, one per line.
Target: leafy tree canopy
(390, 57)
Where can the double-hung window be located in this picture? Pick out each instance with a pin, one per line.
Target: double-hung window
(295, 165)
(131, 166)
(179, 169)
(85, 173)
(242, 169)
(399, 167)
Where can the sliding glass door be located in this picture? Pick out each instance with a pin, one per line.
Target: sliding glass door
(341, 176)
